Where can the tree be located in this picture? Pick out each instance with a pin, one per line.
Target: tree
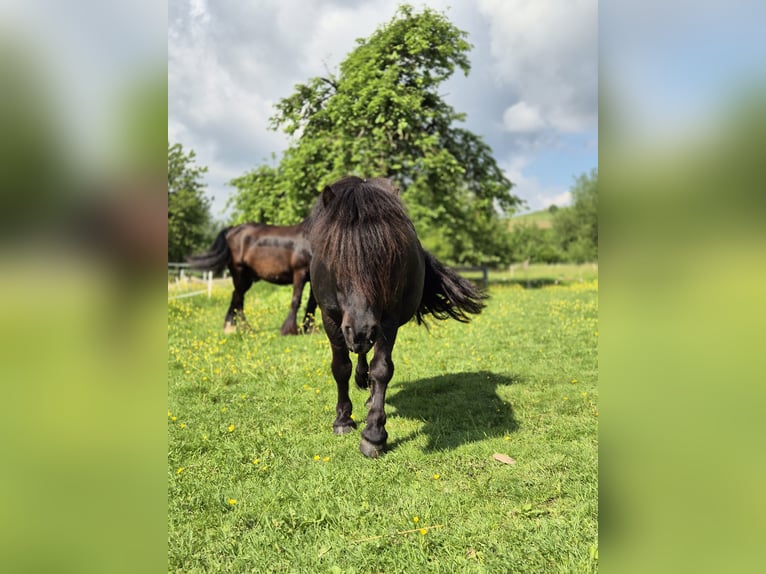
(575, 228)
(532, 243)
(382, 115)
(188, 208)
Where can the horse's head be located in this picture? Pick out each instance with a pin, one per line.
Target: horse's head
(360, 324)
(330, 191)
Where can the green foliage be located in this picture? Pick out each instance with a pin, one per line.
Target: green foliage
(188, 209)
(565, 234)
(575, 228)
(257, 481)
(382, 115)
(143, 112)
(530, 242)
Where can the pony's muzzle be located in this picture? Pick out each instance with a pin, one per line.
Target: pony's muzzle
(360, 339)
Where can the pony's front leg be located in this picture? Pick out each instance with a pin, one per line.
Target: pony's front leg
(341, 371)
(374, 435)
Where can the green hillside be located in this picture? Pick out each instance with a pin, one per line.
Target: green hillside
(542, 219)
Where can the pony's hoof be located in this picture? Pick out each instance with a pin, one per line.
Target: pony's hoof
(229, 328)
(343, 428)
(371, 450)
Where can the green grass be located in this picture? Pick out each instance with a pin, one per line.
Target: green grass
(250, 420)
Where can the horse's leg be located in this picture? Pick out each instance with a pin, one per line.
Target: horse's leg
(341, 371)
(362, 374)
(242, 281)
(290, 327)
(374, 435)
(311, 307)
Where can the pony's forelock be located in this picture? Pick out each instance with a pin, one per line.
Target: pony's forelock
(361, 232)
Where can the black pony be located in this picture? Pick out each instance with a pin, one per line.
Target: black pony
(275, 253)
(370, 276)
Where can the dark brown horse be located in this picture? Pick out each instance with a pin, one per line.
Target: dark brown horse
(370, 276)
(252, 251)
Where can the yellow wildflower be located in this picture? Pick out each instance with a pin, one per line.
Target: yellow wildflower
(416, 519)
(231, 428)
(316, 457)
(182, 425)
(180, 470)
(255, 461)
(232, 501)
(436, 476)
(423, 531)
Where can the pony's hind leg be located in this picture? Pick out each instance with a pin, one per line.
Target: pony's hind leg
(362, 373)
(311, 307)
(236, 314)
(290, 326)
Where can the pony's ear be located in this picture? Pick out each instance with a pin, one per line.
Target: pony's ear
(327, 195)
(392, 186)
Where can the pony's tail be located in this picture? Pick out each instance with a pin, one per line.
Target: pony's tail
(446, 294)
(214, 259)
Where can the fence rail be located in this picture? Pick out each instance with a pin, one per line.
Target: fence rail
(483, 270)
(180, 272)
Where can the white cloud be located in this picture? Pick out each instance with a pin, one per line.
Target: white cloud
(546, 53)
(228, 63)
(560, 200)
(535, 193)
(522, 117)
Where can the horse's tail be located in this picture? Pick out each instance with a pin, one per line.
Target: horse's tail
(214, 259)
(446, 294)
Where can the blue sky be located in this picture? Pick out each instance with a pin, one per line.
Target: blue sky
(532, 92)
(675, 68)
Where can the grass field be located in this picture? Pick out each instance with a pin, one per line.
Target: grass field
(257, 481)
(542, 219)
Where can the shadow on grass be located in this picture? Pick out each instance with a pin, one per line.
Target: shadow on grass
(457, 408)
(533, 283)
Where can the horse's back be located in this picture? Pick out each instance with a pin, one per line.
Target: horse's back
(271, 252)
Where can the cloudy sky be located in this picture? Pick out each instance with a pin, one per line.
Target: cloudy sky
(532, 91)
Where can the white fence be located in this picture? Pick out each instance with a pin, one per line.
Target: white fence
(180, 275)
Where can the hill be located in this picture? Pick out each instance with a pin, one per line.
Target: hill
(542, 219)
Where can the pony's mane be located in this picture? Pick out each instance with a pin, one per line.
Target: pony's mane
(360, 231)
